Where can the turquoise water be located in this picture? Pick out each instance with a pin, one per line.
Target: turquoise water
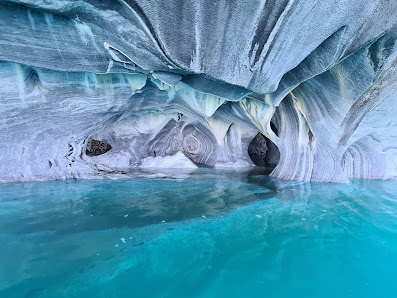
(201, 234)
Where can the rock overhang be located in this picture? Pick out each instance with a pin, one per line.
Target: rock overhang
(311, 74)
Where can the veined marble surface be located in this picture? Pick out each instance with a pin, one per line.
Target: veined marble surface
(156, 79)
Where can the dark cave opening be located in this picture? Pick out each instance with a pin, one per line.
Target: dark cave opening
(273, 128)
(263, 152)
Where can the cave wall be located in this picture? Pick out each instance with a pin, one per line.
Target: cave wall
(48, 118)
(340, 124)
(201, 78)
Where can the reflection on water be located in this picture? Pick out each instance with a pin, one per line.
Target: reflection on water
(81, 205)
(203, 233)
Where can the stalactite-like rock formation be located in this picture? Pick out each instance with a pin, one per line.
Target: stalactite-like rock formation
(192, 83)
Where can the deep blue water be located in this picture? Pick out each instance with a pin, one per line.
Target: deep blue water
(201, 234)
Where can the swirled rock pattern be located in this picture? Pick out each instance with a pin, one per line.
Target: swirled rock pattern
(201, 79)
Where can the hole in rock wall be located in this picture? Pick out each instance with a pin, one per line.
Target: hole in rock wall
(97, 147)
(273, 128)
(263, 152)
(32, 80)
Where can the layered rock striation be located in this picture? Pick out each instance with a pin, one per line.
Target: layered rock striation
(309, 87)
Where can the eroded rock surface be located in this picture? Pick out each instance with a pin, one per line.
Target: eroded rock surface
(97, 147)
(199, 79)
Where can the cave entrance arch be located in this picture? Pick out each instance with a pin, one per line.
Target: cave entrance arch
(263, 152)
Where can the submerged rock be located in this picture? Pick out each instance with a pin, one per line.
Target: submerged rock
(203, 78)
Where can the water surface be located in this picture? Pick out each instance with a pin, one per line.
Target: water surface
(205, 233)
